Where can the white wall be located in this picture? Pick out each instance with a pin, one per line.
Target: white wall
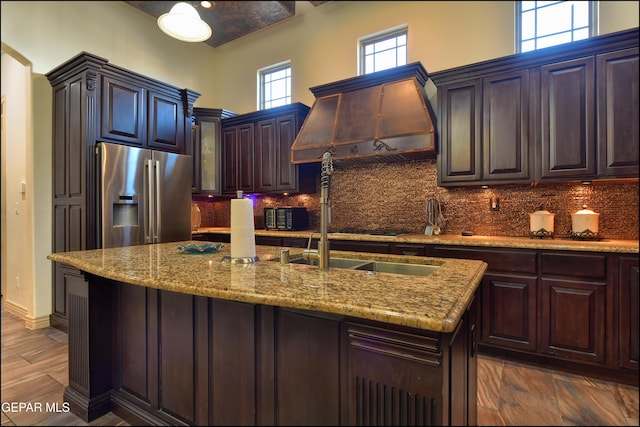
(321, 43)
(17, 236)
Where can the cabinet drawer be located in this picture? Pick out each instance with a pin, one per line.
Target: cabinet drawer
(499, 260)
(577, 265)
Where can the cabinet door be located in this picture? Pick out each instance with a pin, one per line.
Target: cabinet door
(266, 156)
(505, 129)
(572, 319)
(509, 311)
(165, 123)
(274, 169)
(618, 113)
(567, 127)
(238, 158)
(307, 369)
(123, 116)
(286, 172)
(629, 308)
(208, 149)
(460, 153)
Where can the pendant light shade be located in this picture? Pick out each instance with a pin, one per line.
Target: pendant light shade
(184, 23)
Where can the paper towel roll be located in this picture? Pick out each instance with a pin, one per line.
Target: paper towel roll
(243, 236)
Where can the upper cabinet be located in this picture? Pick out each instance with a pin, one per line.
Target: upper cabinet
(485, 134)
(206, 139)
(140, 112)
(617, 112)
(256, 152)
(564, 113)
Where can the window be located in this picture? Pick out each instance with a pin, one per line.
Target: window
(549, 23)
(275, 86)
(383, 50)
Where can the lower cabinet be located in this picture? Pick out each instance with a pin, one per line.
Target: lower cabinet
(573, 305)
(628, 318)
(165, 358)
(509, 311)
(577, 311)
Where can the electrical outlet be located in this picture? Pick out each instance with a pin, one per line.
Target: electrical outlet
(495, 204)
(17, 282)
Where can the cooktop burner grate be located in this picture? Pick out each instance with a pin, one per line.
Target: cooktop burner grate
(390, 233)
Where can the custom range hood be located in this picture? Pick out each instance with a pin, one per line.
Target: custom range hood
(378, 117)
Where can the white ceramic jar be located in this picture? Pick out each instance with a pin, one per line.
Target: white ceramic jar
(584, 222)
(541, 223)
(195, 217)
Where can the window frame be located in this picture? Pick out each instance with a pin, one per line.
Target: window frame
(263, 72)
(381, 36)
(593, 21)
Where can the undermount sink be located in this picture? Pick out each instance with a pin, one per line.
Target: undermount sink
(375, 266)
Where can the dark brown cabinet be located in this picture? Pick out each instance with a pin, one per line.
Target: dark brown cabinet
(573, 301)
(123, 106)
(628, 316)
(485, 130)
(205, 148)
(563, 113)
(93, 101)
(256, 152)
(238, 158)
(567, 119)
(617, 111)
(134, 114)
(509, 295)
(274, 170)
(166, 358)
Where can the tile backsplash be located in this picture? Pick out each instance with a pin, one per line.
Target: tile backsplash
(392, 196)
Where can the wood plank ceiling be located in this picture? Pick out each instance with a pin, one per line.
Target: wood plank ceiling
(230, 20)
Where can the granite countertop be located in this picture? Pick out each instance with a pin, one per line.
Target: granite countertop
(435, 302)
(563, 244)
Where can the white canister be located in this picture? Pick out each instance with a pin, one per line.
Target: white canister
(195, 217)
(584, 221)
(541, 223)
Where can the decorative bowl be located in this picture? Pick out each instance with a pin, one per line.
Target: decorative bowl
(205, 248)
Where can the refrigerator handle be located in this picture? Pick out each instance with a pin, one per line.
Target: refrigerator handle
(149, 225)
(158, 199)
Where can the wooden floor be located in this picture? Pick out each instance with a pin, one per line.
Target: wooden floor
(34, 371)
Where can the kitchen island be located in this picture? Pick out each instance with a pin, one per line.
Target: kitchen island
(163, 337)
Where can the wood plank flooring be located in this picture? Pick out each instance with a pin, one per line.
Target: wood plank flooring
(34, 370)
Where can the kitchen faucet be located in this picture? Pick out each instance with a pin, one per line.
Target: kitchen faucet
(322, 253)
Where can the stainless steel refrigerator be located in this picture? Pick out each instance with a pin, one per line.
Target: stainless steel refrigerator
(144, 196)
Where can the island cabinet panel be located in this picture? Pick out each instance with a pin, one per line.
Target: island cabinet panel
(307, 368)
(233, 362)
(157, 357)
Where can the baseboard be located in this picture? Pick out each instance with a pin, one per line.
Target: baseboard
(15, 309)
(37, 322)
(21, 312)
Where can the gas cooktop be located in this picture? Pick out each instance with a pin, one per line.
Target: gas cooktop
(389, 233)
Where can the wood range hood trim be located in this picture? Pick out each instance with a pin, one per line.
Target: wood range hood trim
(378, 117)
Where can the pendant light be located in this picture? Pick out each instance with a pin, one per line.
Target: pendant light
(184, 23)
